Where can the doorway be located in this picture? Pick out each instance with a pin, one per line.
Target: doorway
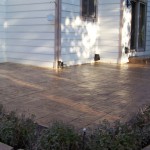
(138, 26)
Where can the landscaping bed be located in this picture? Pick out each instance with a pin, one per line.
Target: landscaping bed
(24, 133)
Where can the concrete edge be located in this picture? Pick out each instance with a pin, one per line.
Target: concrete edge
(147, 148)
(5, 147)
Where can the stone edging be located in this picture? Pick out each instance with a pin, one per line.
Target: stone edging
(5, 147)
(147, 148)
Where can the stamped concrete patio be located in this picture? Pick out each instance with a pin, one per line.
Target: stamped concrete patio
(80, 95)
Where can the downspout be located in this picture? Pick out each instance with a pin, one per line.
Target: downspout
(57, 51)
(120, 32)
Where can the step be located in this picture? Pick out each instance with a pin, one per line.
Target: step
(139, 60)
(147, 148)
(5, 147)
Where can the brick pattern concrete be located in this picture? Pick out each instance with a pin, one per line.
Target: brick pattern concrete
(80, 95)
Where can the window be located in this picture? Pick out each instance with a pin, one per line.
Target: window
(138, 25)
(89, 9)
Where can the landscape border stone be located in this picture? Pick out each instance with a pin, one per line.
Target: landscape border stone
(5, 147)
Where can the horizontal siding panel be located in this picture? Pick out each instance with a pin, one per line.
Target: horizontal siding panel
(79, 51)
(78, 37)
(32, 14)
(110, 7)
(32, 43)
(79, 43)
(2, 8)
(32, 21)
(23, 2)
(108, 49)
(71, 44)
(1, 22)
(30, 7)
(69, 29)
(2, 15)
(71, 57)
(31, 36)
(32, 62)
(30, 50)
(104, 2)
(71, 2)
(2, 35)
(109, 55)
(106, 20)
(71, 15)
(3, 55)
(27, 56)
(35, 28)
(70, 7)
(108, 43)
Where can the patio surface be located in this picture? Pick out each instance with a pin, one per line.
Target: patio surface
(80, 95)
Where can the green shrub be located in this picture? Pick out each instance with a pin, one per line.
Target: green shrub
(23, 133)
(141, 122)
(59, 137)
(1, 109)
(17, 132)
(113, 137)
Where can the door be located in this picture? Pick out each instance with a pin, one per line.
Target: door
(138, 26)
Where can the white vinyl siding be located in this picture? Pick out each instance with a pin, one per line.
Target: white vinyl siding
(30, 37)
(73, 30)
(81, 40)
(109, 15)
(2, 32)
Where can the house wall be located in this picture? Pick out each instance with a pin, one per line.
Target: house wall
(109, 41)
(80, 40)
(2, 31)
(29, 35)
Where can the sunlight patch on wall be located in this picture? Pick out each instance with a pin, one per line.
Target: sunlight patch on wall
(90, 37)
(126, 31)
(88, 33)
(3, 53)
(5, 25)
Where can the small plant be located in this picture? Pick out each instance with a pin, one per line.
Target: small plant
(2, 111)
(17, 132)
(59, 137)
(141, 122)
(113, 137)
